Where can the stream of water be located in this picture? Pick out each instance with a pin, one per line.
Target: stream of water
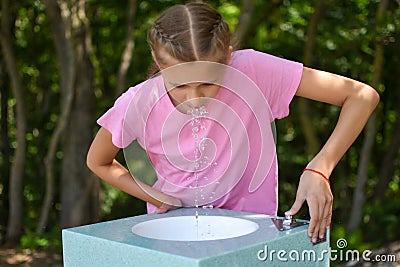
(198, 128)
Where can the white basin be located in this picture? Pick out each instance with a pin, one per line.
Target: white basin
(188, 228)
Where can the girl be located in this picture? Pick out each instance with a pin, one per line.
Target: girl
(203, 122)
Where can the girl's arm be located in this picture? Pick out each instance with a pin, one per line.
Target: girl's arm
(101, 160)
(358, 101)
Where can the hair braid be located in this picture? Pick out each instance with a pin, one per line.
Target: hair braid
(190, 32)
(217, 24)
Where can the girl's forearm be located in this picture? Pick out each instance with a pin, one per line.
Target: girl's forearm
(101, 160)
(353, 117)
(118, 176)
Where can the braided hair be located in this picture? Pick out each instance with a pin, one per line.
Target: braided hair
(190, 32)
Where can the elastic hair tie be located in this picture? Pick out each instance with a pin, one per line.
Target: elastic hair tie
(320, 173)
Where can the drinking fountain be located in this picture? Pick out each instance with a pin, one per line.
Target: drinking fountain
(218, 237)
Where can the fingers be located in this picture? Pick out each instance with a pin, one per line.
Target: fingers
(326, 217)
(320, 209)
(313, 207)
(296, 206)
(163, 209)
(166, 207)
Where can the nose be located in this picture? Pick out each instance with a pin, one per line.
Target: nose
(194, 95)
(194, 92)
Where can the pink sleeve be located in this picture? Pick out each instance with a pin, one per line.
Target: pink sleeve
(278, 78)
(113, 120)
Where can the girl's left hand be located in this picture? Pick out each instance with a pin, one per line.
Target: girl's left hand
(316, 191)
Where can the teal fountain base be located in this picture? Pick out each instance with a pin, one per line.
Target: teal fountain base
(218, 238)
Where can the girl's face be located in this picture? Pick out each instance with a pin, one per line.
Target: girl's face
(191, 84)
(193, 94)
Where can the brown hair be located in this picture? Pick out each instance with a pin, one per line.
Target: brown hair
(190, 32)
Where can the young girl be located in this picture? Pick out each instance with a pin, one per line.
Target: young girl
(205, 122)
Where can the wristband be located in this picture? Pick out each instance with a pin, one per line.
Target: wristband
(320, 173)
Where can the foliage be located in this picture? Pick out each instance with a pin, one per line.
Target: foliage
(345, 45)
(51, 239)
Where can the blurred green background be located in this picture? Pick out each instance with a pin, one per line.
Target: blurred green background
(63, 64)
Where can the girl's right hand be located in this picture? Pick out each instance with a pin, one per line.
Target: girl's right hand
(166, 207)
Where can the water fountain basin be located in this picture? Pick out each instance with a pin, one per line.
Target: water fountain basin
(188, 228)
(112, 243)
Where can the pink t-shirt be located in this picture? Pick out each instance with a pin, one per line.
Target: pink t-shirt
(226, 156)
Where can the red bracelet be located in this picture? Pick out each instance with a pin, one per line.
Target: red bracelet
(320, 173)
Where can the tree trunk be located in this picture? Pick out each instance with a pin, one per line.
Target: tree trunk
(5, 149)
(386, 171)
(78, 185)
(244, 22)
(312, 143)
(387, 166)
(369, 140)
(262, 15)
(15, 219)
(128, 51)
(65, 54)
